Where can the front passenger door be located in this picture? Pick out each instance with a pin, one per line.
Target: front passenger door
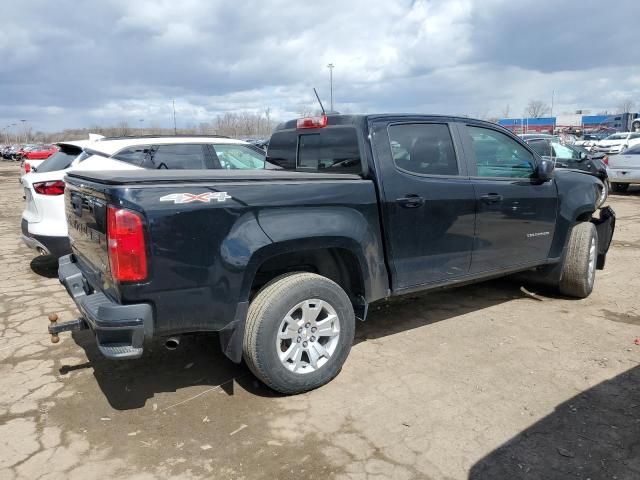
(516, 214)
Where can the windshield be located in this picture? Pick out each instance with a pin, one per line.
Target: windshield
(60, 160)
(238, 157)
(565, 151)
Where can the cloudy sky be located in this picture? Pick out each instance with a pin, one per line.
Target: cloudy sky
(70, 63)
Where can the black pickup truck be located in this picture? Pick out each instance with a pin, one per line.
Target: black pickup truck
(282, 261)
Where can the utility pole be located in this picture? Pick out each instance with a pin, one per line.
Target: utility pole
(331, 67)
(553, 94)
(175, 130)
(141, 126)
(25, 130)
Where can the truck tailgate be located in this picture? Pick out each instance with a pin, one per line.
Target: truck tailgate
(86, 213)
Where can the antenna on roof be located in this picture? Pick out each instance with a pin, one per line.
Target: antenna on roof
(318, 97)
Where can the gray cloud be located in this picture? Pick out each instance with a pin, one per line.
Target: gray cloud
(68, 63)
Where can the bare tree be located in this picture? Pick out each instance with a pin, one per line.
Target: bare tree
(537, 109)
(626, 105)
(505, 111)
(305, 110)
(123, 128)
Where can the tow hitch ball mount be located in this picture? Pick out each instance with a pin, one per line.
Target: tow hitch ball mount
(55, 328)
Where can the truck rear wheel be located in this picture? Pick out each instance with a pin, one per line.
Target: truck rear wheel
(579, 267)
(299, 332)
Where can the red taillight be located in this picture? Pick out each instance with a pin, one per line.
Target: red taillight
(27, 167)
(125, 238)
(312, 122)
(48, 188)
(606, 160)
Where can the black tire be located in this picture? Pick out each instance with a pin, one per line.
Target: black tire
(636, 126)
(266, 313)
(619, 187)
(577, 277)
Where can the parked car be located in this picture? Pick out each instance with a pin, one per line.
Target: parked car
(624, 169)
(44, 223)
(282, 262)
(10, 152)
(589, 140)
(33, 157)
(571, 156)
(44, 227)
(617, 143)
(174, 152)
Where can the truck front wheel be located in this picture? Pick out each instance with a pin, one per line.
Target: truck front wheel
(299, 332)
(579, 267)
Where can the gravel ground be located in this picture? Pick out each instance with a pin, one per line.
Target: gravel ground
(478, 382)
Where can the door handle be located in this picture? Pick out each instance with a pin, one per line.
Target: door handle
(411, 201)
(491, 198)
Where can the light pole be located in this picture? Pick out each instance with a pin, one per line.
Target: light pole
(17, 139)
(175, 130)
(25, 130)
(331, 67)
(141, 126)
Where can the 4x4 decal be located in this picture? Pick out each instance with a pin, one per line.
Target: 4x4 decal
(196, 197)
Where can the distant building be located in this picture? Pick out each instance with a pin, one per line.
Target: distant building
(619, 122)
(529, 125)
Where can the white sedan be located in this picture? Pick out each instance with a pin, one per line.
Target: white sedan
(617, 143)
(624, 169)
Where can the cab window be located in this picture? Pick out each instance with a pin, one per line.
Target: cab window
(329, 150)
(498, 155)
(423, 148)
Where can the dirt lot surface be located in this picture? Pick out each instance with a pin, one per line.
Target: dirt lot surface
(479, 382)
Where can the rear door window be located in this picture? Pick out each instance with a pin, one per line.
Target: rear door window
(137, 155)
(177, 157)
(423, 148)
(238, 157)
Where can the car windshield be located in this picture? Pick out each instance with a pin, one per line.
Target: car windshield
(238, 157)
(565, 151)
(61, 159)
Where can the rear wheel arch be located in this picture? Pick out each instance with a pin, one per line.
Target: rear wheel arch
(336, 260)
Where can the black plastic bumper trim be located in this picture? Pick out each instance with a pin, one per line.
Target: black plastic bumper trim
(105, 317)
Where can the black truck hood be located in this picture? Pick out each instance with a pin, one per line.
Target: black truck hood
(127, 177)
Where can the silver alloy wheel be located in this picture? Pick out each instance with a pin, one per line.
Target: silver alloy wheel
(308, 336)
(592, 261)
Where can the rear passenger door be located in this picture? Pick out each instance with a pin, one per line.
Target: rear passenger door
(516, 214)
(428, 202)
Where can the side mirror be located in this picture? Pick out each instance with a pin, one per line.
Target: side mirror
(583, 156)
(544, 172)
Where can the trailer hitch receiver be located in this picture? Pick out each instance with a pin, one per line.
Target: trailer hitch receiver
(55, 328)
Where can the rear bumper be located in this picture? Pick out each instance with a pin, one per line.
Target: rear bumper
(621, 175)
(121, 330)
(57, 246)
